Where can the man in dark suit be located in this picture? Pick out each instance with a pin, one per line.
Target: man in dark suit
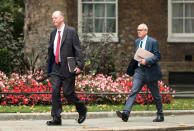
(146, 71)
(64, 42)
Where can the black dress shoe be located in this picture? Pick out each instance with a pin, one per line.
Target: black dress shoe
(53, 123)
(82, 117)
(159, 119)
(123, 116)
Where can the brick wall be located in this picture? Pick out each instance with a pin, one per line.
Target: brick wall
(38, 25)
(130, 14)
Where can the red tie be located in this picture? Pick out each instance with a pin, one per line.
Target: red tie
(58, 48)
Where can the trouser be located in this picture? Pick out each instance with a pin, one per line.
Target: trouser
(68, 86)
(138, 82)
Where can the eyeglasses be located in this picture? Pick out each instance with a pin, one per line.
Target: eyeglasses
(140, 29)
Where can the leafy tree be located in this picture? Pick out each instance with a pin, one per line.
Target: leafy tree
(16, 10)
(5, 60)
(11, 27)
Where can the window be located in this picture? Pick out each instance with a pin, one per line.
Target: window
(181, 21)
(181, 78)
(98, 17)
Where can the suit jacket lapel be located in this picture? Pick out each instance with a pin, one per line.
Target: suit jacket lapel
(137, 44)
(64, 35)
(53, 37)
(147, 43)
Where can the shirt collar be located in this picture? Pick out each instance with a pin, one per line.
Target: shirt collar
(61, 28)
(145, 38)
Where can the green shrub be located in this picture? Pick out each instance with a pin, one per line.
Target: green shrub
(11, 32)
(5, 60)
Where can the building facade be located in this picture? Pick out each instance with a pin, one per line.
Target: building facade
(171, 22)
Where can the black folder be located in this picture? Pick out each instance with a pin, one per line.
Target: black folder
(71, 64)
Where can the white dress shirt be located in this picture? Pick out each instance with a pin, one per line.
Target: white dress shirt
(144, 42)
(55, 41)
(143, 45)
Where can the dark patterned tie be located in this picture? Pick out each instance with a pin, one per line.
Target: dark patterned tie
(141, 43)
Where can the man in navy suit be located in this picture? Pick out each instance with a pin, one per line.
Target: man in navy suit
(64, 42)
(146, 71)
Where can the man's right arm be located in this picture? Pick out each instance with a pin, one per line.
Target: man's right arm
(50, 57)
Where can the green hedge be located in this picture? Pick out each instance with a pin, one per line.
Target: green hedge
(5, 60)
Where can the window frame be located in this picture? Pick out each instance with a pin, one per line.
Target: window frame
(177, 37)
(96, 37)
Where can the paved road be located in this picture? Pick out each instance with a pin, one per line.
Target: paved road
(111, 123)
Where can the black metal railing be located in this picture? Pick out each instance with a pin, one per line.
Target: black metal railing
(102, 94)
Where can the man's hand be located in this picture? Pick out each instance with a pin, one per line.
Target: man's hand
(143, 62)
(77, 70)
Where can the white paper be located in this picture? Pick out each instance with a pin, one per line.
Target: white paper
(142, 54)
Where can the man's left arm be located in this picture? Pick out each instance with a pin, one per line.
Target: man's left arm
(156, 51)
(78, 52)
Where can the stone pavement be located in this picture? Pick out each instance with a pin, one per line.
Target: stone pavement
(99, 121)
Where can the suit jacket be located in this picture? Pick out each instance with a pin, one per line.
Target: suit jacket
(152, 68)
(70, 47)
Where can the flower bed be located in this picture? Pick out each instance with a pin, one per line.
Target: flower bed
(24, 83)
(123, 84)
(89, 83)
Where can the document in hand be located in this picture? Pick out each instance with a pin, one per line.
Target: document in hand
(71, 64)
(142, 54)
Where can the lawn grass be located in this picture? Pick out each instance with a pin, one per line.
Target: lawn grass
(176, 104)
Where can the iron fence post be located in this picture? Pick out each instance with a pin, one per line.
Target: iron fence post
(147, 100)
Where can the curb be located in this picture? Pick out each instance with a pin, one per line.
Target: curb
(90, 115)
(108, 129)
(12, 123)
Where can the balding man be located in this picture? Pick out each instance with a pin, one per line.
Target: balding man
(64, 42)
(146, 71)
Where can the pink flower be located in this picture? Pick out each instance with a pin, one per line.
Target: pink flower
(83, 83)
